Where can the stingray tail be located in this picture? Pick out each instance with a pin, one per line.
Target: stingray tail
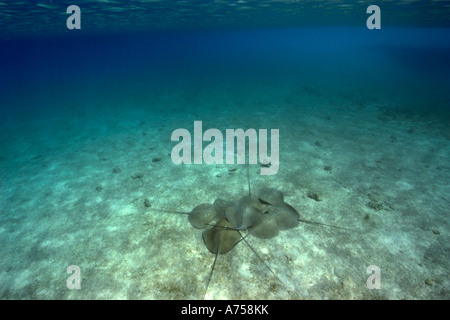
(168, 211)
(254, 251)
(210, 274)
(322, 224)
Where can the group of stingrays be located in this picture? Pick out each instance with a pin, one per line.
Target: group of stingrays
(262, 215)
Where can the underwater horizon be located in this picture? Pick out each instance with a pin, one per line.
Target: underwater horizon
(351, 122)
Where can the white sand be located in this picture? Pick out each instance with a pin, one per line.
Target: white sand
(63, 203)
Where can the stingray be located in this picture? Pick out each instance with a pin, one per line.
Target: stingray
(275, 214)
(244, 213)
(221, 239)
(253, 201)
(271, 196)
(266, 229)
(221, 205)
(285, 216)
(202, 215)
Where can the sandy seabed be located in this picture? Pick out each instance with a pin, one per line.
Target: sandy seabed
(85, 191)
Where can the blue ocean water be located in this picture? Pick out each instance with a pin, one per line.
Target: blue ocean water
(86, 118)
(409, 64)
